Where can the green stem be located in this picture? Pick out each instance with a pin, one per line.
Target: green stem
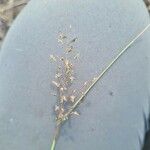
(53, 144)
(57, 130)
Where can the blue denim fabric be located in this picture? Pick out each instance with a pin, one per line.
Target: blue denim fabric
(115, 113)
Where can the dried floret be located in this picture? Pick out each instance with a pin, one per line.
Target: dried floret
(53, 58)
(73, 40)
(62, 36)
(76, 56)
(75, 113)
(56, 108)
(63, 98)
(69, 49)
(85, 83)
(56, 84)
(54, 94)
(58, 75)
(72, 78)
(72, 98)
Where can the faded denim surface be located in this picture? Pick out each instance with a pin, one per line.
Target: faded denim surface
(114, 115)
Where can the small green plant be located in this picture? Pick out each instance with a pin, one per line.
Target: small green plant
(68, 99)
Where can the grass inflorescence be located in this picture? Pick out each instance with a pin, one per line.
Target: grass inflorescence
(68, 98)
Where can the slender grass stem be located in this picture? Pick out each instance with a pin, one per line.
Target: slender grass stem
(57, 130)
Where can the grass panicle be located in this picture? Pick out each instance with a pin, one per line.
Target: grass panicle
(68, 101)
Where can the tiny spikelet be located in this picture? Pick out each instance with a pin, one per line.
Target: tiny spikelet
(72, 98)
(58, 75)
(73, 40)
(72, 78)
(75, 113)
(62, 36)
(61, 89)
(94, 79)
(76, 56)
(54, 94)
(85, 83)
(69, 49)
(56, 84)
(53, 58)
(63, 98)
(56, 108)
